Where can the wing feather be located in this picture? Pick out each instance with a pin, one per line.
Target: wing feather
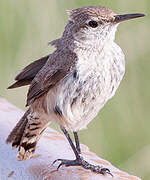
(29, 72)
(57, 68)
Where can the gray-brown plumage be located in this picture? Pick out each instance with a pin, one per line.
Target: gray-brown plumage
(16, 134)
(28, 73)
(54, 71)
(72, 84)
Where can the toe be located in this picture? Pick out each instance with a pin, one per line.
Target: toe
(105, 171)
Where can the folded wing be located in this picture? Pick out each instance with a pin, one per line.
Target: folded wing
(29, 72)
(57, 68)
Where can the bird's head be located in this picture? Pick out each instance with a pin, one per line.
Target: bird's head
(94, 24)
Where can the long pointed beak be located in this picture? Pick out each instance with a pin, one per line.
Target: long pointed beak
(124, 17)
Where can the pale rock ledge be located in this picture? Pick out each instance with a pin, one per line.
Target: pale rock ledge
(51, 146)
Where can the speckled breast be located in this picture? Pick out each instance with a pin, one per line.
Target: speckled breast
(84, 92)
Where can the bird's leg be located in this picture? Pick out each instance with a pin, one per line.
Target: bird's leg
(70, 142)
(79, 161)
(77, 142)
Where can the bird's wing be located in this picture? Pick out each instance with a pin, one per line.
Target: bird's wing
(29, 72)
(63, 64)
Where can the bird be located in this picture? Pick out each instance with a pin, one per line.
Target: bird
(72, 84)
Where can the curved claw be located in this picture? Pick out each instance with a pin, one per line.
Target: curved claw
(63, 161)
(59, 166)
(106, 171)
(56, 161)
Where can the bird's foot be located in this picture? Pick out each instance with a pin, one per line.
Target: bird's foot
(81, 162)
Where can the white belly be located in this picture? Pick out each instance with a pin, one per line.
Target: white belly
(80, 98)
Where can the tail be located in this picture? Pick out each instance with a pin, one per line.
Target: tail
(26, 134)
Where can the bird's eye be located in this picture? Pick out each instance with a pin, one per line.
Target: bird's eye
(93, 24)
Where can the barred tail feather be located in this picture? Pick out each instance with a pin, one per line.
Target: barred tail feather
(17, 133)
(26, 135)
(29, 141)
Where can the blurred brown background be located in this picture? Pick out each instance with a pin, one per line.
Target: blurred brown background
(121, 132)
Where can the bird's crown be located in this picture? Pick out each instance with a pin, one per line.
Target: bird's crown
(98, 13)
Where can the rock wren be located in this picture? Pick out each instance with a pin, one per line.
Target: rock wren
(73, 83)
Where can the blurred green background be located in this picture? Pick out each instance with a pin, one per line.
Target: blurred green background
(121, 132)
